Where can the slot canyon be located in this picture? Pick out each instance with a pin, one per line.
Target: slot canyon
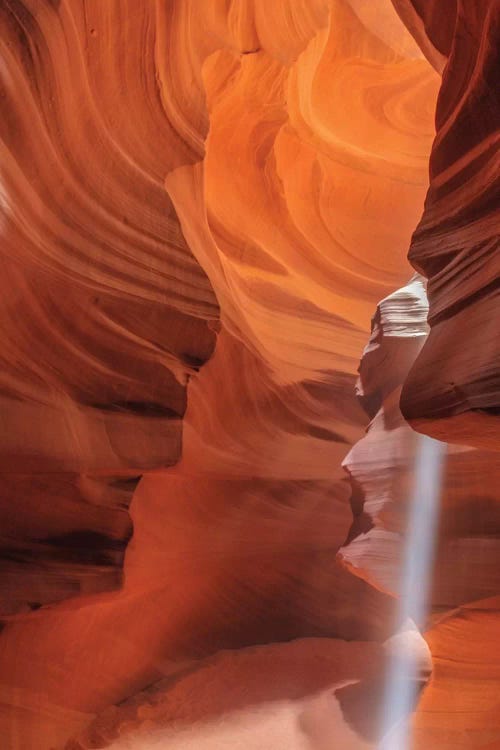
(250, 375)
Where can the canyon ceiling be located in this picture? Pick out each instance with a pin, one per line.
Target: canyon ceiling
(208, 450)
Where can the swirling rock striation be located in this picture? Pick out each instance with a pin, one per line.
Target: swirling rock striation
(175, 172)
(458, 708)
(104, 309)
(105, 306)
(453, 392)
(381, 468)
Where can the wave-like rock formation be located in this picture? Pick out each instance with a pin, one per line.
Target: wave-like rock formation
(453, 392)
(465, 586)
(105, 312)
(202, 204)
(381, 468)
(318, 703)
(106, 309)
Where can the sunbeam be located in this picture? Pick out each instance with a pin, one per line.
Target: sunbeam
(402, 675)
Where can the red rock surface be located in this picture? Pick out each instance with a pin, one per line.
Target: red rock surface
(202, 204)
(453, 393)
(297, 695)
(459, 709)
(381, 468)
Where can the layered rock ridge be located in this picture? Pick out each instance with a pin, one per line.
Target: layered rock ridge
(458, 707)
(105, 312)
(453, 391)
(381, 469)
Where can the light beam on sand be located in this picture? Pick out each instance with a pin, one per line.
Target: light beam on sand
(414, 592)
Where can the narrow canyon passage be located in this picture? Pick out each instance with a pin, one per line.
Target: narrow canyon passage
(220, 526)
